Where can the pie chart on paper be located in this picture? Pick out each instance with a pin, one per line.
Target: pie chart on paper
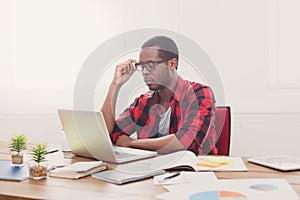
(263, 187)
(218, 195)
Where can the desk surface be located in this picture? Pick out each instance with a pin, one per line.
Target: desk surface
(90, 188)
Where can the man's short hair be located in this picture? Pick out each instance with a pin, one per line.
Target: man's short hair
(168, 48)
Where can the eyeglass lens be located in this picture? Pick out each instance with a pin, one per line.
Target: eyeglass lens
(149, 66)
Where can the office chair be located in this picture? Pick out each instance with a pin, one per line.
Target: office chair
(223, 128)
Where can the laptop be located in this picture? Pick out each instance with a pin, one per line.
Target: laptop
(283, 163)
(87, 135)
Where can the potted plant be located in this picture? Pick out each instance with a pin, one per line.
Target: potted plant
(17, 146)
(38, 165)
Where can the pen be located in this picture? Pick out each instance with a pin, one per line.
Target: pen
(170, 177)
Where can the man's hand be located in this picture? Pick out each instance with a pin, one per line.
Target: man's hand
(124, 141)
(124, 71)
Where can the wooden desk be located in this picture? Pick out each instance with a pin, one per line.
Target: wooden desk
(90, 188)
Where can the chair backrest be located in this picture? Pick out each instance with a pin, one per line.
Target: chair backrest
(223, 128)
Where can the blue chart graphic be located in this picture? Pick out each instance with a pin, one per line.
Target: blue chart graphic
(218, 195)
(263, 187)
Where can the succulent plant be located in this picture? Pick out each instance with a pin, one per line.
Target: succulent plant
(38, 168)
(18, 143)
(39, 152)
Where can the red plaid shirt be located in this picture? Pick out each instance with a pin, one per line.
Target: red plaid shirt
(192, 117)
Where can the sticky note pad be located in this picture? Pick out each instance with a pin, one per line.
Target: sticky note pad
(218, 159)
(214, 161)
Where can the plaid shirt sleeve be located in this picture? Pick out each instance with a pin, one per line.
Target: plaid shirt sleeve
(124, 124)
(197, 130)
(136, 118)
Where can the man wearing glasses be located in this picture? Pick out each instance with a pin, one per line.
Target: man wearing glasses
(174, 115)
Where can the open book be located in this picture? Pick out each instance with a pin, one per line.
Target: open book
(187, 159)
(78, 169)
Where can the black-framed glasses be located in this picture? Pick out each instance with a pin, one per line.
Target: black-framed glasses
(150, 66)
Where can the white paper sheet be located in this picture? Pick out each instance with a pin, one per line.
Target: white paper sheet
(242, 189)
(186, 177)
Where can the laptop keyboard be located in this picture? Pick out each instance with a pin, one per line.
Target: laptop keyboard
(121, 155)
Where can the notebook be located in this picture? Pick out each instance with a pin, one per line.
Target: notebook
(87, 135)
(283, 163)
(120, 177)
(7, 172)
(78, 169)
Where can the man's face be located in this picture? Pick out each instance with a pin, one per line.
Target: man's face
(160, 77)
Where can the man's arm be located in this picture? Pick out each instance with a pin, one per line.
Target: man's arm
(122, 74)
(163, 145)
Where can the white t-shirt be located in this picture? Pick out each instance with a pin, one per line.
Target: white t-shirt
(164, 123)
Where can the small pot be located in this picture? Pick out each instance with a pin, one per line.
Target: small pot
(17, 158)
(37, 170)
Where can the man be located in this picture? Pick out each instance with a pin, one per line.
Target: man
(174, 115)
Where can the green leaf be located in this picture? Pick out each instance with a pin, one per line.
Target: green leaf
(39, 152)
(18, 143)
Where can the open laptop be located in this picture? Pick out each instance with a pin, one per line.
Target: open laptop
(87, 135)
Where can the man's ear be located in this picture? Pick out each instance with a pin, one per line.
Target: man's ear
(173, 63)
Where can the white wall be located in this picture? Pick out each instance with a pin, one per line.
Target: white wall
(253, 43)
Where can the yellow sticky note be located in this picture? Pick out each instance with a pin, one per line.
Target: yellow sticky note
(207, 163)
(218, 159)
(214, 161)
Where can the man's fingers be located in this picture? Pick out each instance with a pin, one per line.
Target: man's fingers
(128, 67)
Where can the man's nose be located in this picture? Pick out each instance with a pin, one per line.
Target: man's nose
(145, 71)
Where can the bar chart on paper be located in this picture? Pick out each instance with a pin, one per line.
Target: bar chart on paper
(218, 195)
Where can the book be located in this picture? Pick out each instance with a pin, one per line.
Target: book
(188, 160)
(118, 176)
(78, 169)
(13, 173)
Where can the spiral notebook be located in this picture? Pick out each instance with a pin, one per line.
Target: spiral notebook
(119, 177)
